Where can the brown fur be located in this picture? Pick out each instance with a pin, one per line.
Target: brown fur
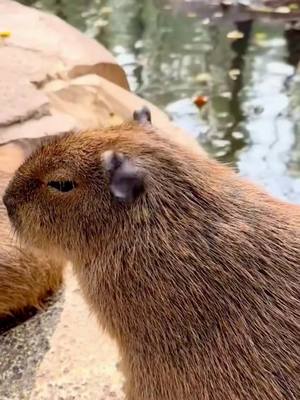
(26, 277)
(197, 280)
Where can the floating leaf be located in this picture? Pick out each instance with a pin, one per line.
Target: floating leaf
(139, 44)
(106, 10)
(206, 21)
(245, 3)
(261, 9)
(260, 36)
(237, 135)
(226, 95)
(234, 35)
(234, 73)
(192, 15)
(282, 10)
(218, 14)
(220, 142)
(293, 7)
(100, 23)
(200, 101)
(203, 78)
(226, 3)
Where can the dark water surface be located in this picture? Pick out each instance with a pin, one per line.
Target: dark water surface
(175, 50)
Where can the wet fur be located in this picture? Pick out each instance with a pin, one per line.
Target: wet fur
(26, 277)
(197, 280)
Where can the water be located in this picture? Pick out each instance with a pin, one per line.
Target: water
(175, 50)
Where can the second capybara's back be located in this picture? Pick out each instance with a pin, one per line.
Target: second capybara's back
(191, 269)
(27, 276)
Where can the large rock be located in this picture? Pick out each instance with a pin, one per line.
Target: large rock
(82, 361)
(42, 45)
(42, 48)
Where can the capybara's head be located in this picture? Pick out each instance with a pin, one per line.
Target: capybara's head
(74, 188)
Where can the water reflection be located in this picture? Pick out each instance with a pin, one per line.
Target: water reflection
(175, 50)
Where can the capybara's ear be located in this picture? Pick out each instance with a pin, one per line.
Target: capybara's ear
(126, 178)
(143, 115)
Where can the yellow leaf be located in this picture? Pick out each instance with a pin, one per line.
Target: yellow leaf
(260, 36)
(282, 10)
(5, 34)
(235, 35)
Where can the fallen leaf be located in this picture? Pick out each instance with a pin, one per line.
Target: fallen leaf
(200, 101)
(5, 34)
(293, 7)
(234, 35)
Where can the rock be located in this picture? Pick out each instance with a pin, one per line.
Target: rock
(57, 47)
(82, 361)
(30, 58)
(108, 104)
(20, 101)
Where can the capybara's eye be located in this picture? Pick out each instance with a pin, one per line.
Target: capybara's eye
(62, 186)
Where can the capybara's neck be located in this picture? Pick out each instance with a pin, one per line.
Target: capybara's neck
(208, 238)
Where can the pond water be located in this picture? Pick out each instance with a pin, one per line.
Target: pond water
(176, 50)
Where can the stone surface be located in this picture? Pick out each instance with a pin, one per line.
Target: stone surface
(20, 101)
(32, 57)
(81, 361)
(22, 349)
(56, 47)
(59, 354)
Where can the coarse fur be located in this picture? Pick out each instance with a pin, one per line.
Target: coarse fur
(26, 276)
(197, 278)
